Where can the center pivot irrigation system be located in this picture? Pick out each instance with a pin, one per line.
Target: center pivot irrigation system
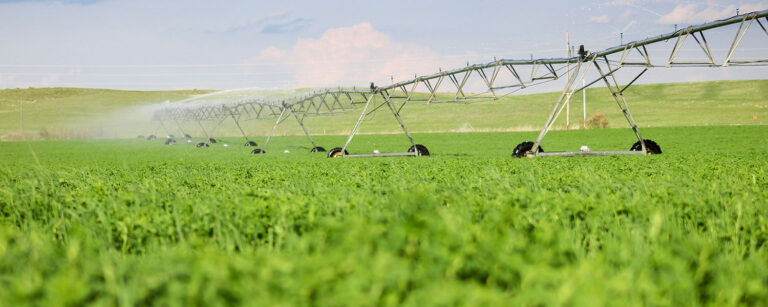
(213, 113)
(499, 76)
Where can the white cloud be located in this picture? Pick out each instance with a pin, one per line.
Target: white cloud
(48, 80)
(275, 23)
(627, 16)
(640, 5)
(693, 13)
(6, 81)
(599, 19)
(352, 55)
(638, 2)
(258, 22)
(31, 79)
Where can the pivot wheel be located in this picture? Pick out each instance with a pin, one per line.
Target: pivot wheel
(187, 136)
(651, 146)
(258, 151)
(151, 137)
(250, 144)
(170, 142)
(421, 150)
(212, 140)
(318, 149)
(336, 152)
(202, 144)
(522, 149)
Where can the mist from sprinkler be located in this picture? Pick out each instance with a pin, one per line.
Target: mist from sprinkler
(131, 120)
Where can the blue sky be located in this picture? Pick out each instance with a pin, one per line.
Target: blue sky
(173, 44)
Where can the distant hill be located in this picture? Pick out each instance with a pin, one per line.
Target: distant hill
(72, 113)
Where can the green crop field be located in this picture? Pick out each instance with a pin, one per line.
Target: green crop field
(134, 222)
(62, 113)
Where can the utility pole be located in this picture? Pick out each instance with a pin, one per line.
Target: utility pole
(584, 104)
(21, 116)
(568, 77)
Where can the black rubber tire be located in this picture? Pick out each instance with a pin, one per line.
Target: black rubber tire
(653, 148)
(202, 144)
(251, 144)
(335, 152)
(258, 151)
(187, 136)
(212, 140)
(421, 149)
(151, 137)
(170, 142)
(318, 149)
(523, 148)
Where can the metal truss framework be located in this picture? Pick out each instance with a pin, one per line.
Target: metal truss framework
(214, 113)
(495, 77)
(606, 62)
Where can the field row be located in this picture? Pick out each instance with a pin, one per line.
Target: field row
(137, 222)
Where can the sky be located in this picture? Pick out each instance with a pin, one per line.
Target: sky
(174, 44)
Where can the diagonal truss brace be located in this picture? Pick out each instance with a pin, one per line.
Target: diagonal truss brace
(395, 112)
(612, 84)
(284, 116)
(739, 36)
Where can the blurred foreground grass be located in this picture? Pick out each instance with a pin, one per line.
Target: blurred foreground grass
(134, 222)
